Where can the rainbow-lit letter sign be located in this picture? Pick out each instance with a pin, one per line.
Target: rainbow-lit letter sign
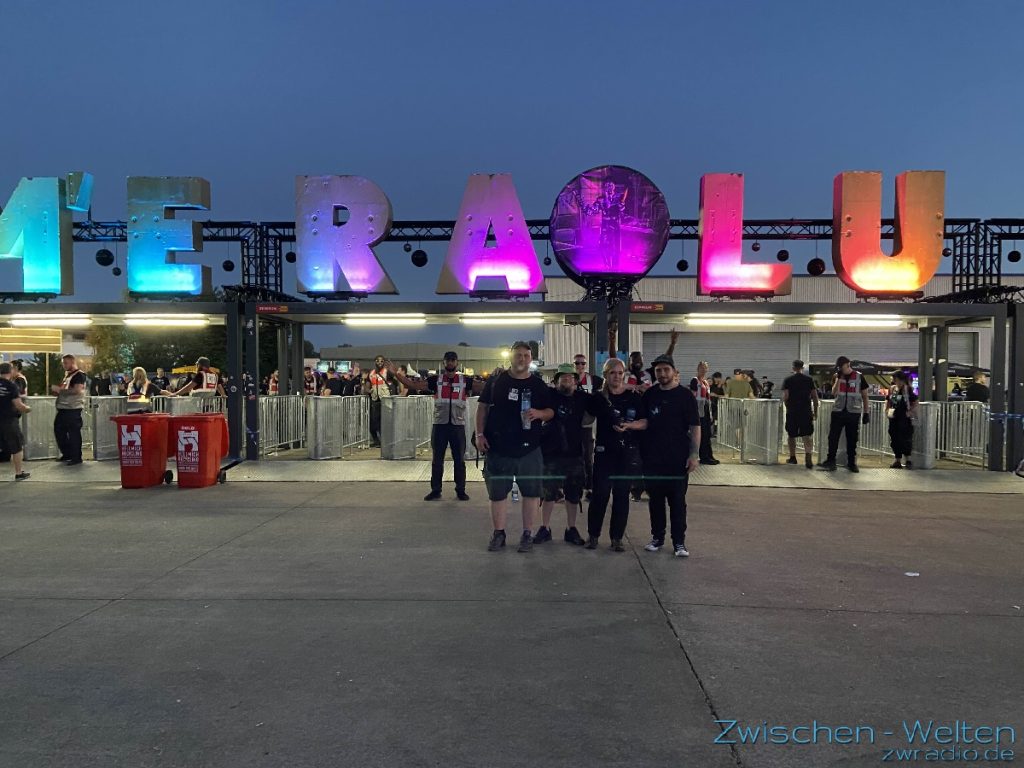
(490, 207)
(720, 267)
(36, 228)
(609, 222)
(338, 220)
(856, 231)
(154, 237)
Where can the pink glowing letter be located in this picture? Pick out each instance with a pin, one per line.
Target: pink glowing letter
(856, 230)
(490, 205)
(335, 251)
(720, 267)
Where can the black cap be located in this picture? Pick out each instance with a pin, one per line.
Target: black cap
(664, 360)
(451, 355)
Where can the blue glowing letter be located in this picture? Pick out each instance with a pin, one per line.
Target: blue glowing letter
(154, 237)
(36, 228)
(335, 254)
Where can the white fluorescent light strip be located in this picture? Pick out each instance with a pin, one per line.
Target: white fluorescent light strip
(755, 315)
(50, 321)
(856, 316)
(166, 322)
(860, 323)
(502, 320)
(503, 314)
(731, 322)
(384, 321)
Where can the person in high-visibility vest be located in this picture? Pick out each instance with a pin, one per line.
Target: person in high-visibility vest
(381, 383)
(274, 385)
(204, 382)
(451, 390)
(850, 409)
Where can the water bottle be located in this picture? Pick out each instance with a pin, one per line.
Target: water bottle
(515, 491)
(524, 406)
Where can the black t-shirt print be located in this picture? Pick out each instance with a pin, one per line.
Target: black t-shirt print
(508, 398)
(670, 414)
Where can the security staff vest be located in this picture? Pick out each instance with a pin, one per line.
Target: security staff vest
(703, 396)
(68, 400)
(450, 399)
(208, 386)
(848, 397)
(379, 386)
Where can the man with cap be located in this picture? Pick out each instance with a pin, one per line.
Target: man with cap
(670, 453)
(562, 448)
(850, 409)
(203, 382)
(801, 399)
(450, 389)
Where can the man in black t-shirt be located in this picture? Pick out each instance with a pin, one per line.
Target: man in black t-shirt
(11, 408)
(563, 449)
(976, 390)
(670, 453)
(160, 380)
(334, 386)
(801, 399)
(509, 415)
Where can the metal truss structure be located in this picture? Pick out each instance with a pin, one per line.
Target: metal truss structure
(976, 246)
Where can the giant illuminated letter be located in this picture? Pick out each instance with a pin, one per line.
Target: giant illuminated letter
(490, 206)
(335, 253)
(856, 231)
(36, 227)
(720, 267)
(154, 237)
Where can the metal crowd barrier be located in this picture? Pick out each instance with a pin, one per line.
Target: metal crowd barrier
(104, 431)
(405, 424)
(336, 425)
(873, 438)
(355, 423)
(180, 406)
(751, 427)
(730, 423)
(962, 431)
(37, 428)
(282, 422)
(471, 407)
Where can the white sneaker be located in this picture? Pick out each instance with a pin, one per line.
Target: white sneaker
(681, 551)
(654, 545)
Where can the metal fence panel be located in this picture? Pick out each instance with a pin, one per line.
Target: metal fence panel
(761, 432)
(282, 422)
(730, 423)
(37, 428)
(873, 438)
(355, 423)
(324, 427)
(405, 425)
(471, 407)
(962, 431)
(104, 431)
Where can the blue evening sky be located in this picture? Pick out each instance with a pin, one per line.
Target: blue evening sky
(418, 95)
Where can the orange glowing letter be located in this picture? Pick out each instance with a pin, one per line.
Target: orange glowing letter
(856, 231)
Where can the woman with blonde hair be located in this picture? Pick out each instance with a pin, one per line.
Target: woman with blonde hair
(620, 413)
(141, 390)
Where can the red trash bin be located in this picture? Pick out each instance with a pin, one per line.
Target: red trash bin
(198, 441)
(142, 448)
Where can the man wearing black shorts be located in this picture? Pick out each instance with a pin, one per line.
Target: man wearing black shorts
(509, 415)
(801, 399)
(11, 408)
(563, 451)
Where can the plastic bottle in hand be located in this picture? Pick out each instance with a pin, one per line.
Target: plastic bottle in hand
(524, 406)
(515, 491)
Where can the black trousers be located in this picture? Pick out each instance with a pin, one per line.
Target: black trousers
(588, 457)
(851, 423)
(604, 488)
(901, 437)
(673, 492)
(375, 420)
(442, 436)
(705, 439)
(67, 428)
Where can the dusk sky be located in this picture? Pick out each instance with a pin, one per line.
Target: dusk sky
(418, 95)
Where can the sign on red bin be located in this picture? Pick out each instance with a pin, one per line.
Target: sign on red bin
(199, 441)
(142, 448)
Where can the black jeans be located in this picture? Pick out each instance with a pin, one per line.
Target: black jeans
(375, 420)
(604, 487)
(67, 428)
(705, 439)
(851, 423)
(901, 437)
(588, 457)
(442, 436)
(672, 491)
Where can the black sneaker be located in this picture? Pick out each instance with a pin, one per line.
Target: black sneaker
(497, 541)
(432, 496)
(572, 536)
(23, 476)
(635, 497)
(592, 542)
(462, 496)
(617, 546)
(808, 461)
(791, 460)
(710, 462)
(828, 466)
(526, 542)
(909, 464)
(72, 462)
(853, 468)
(896, 465)
(543, 534)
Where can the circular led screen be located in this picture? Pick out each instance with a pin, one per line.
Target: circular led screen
(609, 222)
